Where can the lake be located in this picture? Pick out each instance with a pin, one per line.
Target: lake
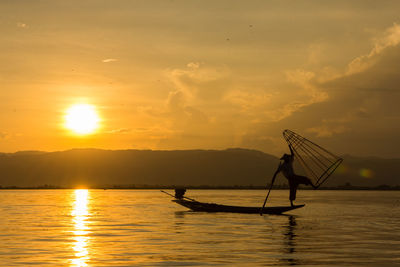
(144, 228)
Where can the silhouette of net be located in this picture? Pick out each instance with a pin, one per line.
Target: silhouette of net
(316, 161)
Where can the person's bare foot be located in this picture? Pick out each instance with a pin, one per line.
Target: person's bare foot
(315, 187)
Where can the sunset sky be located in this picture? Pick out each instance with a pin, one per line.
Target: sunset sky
(201, 74)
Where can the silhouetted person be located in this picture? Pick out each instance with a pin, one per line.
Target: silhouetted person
(286, 167)
(179, 193)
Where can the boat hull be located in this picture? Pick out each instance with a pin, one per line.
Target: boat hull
(212, 207)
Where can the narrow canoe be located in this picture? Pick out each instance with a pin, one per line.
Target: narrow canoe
(212, 207)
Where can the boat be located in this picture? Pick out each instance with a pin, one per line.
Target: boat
(195, 205)
(212, 207)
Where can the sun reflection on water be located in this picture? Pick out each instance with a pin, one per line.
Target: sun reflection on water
(80, 214)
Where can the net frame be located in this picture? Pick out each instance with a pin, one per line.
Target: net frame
(316, 161)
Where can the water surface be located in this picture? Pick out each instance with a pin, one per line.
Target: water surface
(144, 228)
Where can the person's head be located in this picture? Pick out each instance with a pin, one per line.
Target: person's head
(286, 157)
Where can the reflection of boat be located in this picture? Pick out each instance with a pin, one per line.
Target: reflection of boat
(212, 207)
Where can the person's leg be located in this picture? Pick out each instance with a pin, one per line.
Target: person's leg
(293, 188)
(304, 180)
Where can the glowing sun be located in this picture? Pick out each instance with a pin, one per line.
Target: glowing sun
(82, 119)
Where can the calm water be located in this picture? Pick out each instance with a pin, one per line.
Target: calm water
(144, 228)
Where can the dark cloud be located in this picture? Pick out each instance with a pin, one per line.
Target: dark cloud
(361, 113)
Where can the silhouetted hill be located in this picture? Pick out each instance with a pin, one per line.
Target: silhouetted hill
(367, 171)
(94, 167)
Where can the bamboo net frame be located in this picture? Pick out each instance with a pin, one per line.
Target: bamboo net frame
(316, 161)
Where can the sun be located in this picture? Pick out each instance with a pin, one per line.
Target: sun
(82, 119)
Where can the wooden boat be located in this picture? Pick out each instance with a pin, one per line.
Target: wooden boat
(212, 207)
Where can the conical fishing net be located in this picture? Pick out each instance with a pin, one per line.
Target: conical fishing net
(317, 162)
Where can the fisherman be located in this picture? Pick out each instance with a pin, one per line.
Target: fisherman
(286, 167)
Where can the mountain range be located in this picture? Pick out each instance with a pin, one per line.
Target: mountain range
(213, 168)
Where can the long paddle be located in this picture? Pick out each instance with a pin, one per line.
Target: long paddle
(175, 197)
(269, 191)
(167, 193)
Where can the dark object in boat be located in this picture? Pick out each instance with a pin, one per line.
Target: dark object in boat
(212, 207)
(179, 193)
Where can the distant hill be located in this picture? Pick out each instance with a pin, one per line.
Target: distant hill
(367, 171)
(242, 167)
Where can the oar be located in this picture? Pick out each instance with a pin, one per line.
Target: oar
(175, 197)
(167, 193)
(266, 198)
(269, 191)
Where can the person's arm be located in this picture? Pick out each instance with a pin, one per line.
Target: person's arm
(277, 171)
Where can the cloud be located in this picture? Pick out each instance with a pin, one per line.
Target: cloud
(390, 38)
(179, 112)
(247, 101)
(305, 79)
(286, 111)
(4, 135)
(325, 131)
(354, 112)
(235, 106)
(193, 65)
(315, 54)
(181, 117)
(108, 60)
(362, 110)
(370, 86)
(343, 108)
(176, 100)
(193, 87)
(22, 25)
(304, 94)
(199, 82)
(120, 131)
(196, 115)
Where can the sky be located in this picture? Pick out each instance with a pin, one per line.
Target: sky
(202, 74)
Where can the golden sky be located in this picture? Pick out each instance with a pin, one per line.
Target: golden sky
(201, 74)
